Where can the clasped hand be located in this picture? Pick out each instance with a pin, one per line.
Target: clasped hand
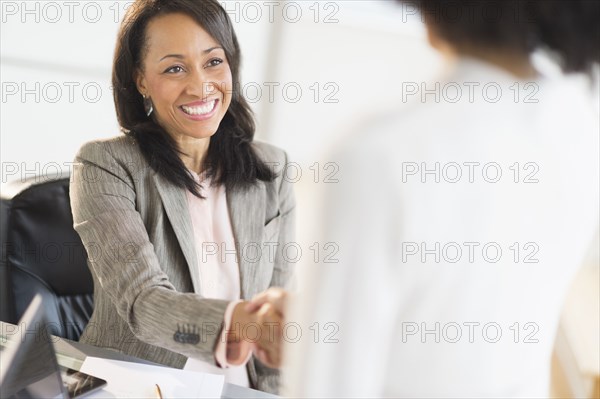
(257, 326)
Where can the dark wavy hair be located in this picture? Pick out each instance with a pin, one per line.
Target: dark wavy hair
(231, 159)
(570, 29)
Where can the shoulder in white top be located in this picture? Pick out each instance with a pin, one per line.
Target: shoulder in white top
(460, 225)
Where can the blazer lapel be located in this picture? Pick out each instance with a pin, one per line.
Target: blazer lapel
(175, 202)
(247, 215)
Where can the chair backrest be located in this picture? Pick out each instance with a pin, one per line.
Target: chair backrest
(42, 253)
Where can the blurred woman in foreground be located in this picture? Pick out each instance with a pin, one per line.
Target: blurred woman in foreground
(462, 220)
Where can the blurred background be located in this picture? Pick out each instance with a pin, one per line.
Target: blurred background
(311, 71)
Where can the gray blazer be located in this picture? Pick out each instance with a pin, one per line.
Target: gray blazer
(136, 229)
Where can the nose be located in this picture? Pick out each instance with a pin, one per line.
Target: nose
(200, 85)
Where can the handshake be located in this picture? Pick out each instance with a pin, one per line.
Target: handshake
(265, 312)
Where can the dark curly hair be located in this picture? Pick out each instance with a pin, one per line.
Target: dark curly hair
(230, 159)
(568, 28)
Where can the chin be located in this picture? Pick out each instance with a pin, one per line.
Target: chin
(202, 134)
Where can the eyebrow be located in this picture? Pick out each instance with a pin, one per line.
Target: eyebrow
(181, 57)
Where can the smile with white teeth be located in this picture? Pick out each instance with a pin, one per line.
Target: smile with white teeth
(199, 110)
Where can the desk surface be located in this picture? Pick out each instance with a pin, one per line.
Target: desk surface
(72, 354)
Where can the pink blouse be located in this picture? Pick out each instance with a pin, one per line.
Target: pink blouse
(218, 268)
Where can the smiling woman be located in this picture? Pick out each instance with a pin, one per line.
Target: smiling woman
(190, 90)
(196, 62)
(186, 176)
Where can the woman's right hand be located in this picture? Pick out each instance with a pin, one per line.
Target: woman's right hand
(238, 346)
(275, 296)
(269, 307)
(266, 342)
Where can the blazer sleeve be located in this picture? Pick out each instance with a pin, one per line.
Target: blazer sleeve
(123, 261)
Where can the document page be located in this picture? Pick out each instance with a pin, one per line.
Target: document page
(133, 380)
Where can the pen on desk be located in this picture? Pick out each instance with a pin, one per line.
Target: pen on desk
(158, 392)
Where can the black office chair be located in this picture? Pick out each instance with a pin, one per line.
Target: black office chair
(42, 253)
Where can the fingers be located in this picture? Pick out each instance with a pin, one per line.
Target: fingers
(267, 347)
(275, 296)
(237, 352)
(233, 352)
(256, 302)
(266, 310)
(266, 342)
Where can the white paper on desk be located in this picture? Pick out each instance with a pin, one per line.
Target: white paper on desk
(134, 380)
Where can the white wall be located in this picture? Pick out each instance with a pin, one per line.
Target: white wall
(43, 119)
